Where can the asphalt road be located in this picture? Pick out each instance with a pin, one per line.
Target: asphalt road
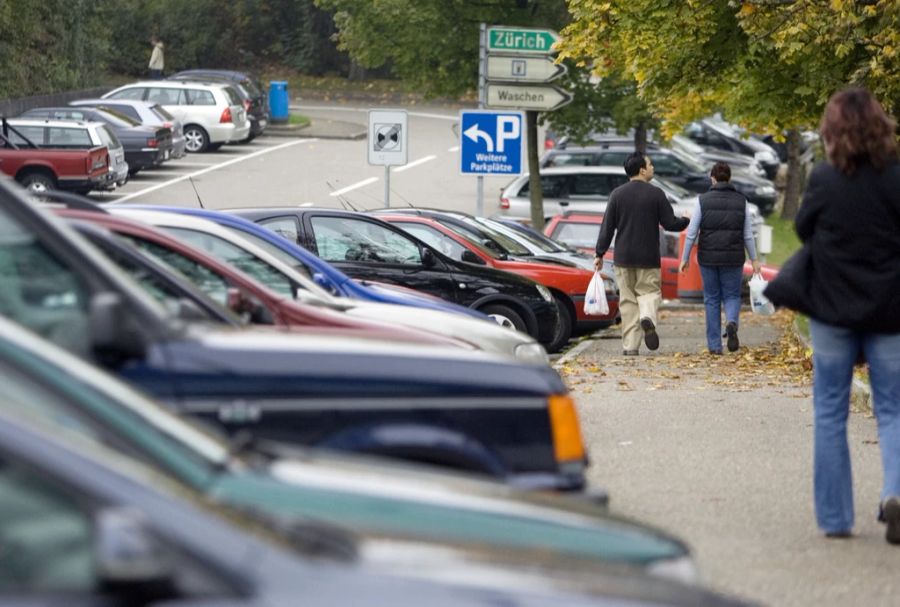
(277, 170)
(720, 455)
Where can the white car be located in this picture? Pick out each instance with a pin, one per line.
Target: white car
(212, 113)
(76, 134)
(278, 271)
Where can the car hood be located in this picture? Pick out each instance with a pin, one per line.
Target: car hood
(484, 334)
(329, 363)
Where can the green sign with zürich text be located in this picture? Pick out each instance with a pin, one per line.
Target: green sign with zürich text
(520, 40)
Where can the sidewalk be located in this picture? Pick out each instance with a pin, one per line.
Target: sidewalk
(717, 450)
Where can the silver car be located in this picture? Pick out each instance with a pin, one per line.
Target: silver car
(145, 112)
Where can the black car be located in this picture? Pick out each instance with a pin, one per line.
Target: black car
(668, 165)
(145, 146)
(370, 249)
(252, 93)
(714, 133)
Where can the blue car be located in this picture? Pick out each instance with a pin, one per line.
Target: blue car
(324, 274)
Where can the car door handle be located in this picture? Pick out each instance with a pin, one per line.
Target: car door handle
(239, 412)
(462, 285)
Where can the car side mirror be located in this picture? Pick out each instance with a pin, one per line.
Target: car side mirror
(129, 560)
(428, 258)
(111, 338)
(470, 257)
(563, 203)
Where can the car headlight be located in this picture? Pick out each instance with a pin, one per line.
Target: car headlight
(681, 569)
(545, 293)
(765, 190)
(533, 353)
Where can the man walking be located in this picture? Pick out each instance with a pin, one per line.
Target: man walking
(633, 215)
(722, 219)
(157, 60)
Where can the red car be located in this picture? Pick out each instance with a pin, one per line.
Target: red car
(581, 229)
(241, 292)
(567, 284)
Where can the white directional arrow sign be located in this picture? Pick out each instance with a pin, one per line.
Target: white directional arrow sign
(523, 69)
(540, 98)
(474, 133)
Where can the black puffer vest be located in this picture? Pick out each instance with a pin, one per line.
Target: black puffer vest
(721, 241)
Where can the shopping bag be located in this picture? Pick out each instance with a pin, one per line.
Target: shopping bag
(759, 303)
(595, 303)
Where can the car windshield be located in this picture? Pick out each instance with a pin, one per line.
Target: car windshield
(689, 160)
(672, 188)
(233, 97)
(479, 231)
(538, 240)
(579, 235)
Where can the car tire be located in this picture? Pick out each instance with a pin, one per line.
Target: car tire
(214, 147)
(505, 317)
(38, 182)
(196, 140)
(563, 328)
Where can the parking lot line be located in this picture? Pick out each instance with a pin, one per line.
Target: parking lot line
(414, 163)
(216, 167)
(355, 186)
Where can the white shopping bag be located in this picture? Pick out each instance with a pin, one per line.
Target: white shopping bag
(595, 299)
(759, 304)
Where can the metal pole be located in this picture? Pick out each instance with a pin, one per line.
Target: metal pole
(482, 69)
(387, 186)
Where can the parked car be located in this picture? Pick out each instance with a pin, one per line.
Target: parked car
(463, 242)
(255, 99)
(367, 248)
(375, 499)
(578, 188)
(91, 527)
(313, 306)
(147, 113)
(447, 406)
(739, 163)
(144, 146)
(543, 246)
(40, 170)
(668, 165)
(716, 133)
(212, 114)
(71, 135)
(581, 230)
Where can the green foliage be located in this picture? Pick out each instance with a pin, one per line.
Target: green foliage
(785, 241)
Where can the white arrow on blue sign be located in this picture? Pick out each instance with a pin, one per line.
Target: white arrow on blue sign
(491, 142)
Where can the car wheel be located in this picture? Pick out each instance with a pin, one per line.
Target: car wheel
(212, 147)
(563, 328)
(38, 183)
(506, 317)
(195, 139)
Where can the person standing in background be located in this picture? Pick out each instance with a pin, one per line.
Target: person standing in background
(633, 215)
(722, 220)
(846, 278)
(157, 60)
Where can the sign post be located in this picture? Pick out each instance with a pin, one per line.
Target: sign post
(388, 138)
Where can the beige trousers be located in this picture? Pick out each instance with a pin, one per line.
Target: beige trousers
(639, 297)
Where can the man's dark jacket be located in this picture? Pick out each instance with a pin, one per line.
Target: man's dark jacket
(633, 215)
(851, 226)
(722, 213)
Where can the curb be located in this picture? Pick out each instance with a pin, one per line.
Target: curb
(573, 352)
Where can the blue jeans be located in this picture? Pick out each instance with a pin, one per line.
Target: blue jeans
(721, 284)
(835, 350)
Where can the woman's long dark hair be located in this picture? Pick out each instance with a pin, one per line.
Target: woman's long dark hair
(856, 130)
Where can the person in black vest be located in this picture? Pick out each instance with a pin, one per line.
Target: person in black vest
(633, 215)
(722, 219)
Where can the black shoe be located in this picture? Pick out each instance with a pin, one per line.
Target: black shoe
(630, 352)
(891, 512)
(731, 333)
(716, 352)
(651, 339)
(839, 535)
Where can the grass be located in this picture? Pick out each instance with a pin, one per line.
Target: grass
(298, 119)
(784, 240)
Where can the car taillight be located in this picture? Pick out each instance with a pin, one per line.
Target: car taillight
(226, 115)
(504, 203)
(100, 163)
(567, 443)
(152, 143)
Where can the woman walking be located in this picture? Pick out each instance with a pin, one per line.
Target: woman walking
(847, 279)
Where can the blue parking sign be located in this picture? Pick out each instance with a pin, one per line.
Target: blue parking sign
(491, 142)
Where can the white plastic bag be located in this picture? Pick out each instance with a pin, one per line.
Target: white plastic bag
(759, 304)
(595, 303)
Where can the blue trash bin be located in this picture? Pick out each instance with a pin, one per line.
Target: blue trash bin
(278, 101)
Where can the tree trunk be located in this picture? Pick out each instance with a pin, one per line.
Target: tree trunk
(640, 137)
(794, 177)
(534, 172)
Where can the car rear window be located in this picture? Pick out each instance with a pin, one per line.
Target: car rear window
(162, 112)
(232, 95)
(62, 137)
(118, 118)
(200, 97)
(125, 110)
(107, 137)
(580, 235)
(554, 186)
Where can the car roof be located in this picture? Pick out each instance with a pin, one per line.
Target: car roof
(98, 101)
(52, 122)
(173, 84)
(612, 147)
(572, 170)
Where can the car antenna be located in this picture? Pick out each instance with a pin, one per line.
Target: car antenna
(196, 193)
(339, 197)
(400, 196)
